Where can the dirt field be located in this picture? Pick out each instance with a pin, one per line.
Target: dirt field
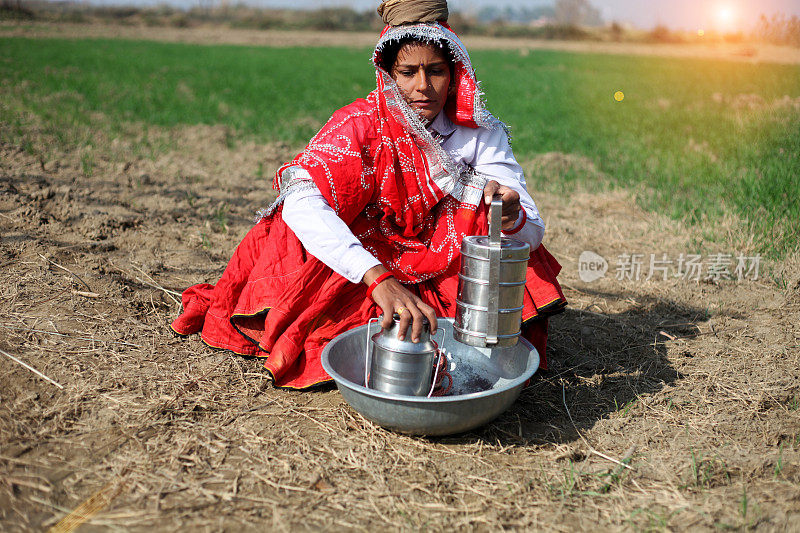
(220, 35)
(695, 386)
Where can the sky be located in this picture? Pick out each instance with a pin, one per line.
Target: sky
(724, 15)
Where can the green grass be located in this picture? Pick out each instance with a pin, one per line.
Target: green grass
(272, 93)
(678, 138)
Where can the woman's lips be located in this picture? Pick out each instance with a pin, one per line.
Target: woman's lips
(424, 103)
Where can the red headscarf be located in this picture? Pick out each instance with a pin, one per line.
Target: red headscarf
(388, 179)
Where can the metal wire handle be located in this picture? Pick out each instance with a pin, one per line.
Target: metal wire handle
(440, 353)
(368, 353)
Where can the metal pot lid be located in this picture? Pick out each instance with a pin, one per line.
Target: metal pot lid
(387, 339)
(478, 246)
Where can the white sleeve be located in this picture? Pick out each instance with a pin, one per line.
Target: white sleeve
(494, 158)
(325, 235)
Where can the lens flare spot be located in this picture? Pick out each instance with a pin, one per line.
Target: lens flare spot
(619, 96)
(701, 32)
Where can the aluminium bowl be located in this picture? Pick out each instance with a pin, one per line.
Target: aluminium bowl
(486, 381)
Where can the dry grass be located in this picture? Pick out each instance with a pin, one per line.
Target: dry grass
(695, 386)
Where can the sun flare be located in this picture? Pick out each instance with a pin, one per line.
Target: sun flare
(725, 15)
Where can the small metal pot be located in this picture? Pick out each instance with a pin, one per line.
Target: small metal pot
(401, 366)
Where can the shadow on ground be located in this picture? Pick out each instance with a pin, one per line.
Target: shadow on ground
(599, 364)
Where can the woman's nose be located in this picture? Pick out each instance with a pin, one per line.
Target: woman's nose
(422, 81)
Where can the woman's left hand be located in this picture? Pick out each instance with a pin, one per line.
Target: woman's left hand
(511, 205)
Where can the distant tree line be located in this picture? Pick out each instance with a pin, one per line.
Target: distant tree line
(515, 15)
(779, 29)
(564, 19)
(577, 13)
(14, 9)
(562, 13)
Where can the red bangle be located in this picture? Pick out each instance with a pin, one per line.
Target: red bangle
(380, 279)
(520, 226)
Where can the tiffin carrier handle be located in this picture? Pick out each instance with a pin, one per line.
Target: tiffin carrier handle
(495, 249)
(495, 221)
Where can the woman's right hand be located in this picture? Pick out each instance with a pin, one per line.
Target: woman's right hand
(392, 297)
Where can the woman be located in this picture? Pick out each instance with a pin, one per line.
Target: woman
(371, 214)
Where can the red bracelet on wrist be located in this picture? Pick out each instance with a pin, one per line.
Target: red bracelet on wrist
(519, 226)
(380, 279)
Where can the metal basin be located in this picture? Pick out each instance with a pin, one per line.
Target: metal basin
(486, 381)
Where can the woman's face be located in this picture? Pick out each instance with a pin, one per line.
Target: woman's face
(423, 75)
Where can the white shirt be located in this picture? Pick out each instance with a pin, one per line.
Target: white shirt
(328, 238)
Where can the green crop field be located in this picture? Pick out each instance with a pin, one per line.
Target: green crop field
(695, 138)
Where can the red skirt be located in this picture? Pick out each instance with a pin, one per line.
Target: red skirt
(277, 301)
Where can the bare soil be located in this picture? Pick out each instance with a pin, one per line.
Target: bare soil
(215, 34)
(695, 386)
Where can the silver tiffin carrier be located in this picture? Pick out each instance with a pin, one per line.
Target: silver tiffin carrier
(491, 285)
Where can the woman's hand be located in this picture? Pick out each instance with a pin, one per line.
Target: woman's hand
(511, 205)
(392, 297)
